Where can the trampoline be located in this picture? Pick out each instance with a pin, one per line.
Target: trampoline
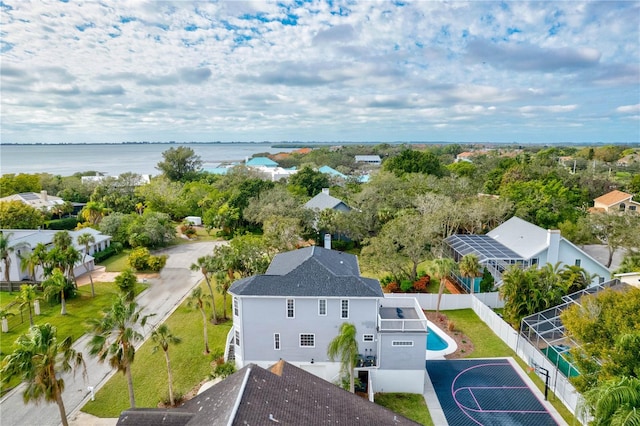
(487, 392)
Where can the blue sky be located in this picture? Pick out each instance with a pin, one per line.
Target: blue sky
(481, 71)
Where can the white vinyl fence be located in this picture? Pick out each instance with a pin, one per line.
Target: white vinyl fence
(483, 305)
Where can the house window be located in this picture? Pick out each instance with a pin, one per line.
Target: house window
(367, 337)
(632, 208)
(307, 340)
(237, 338)
(578, 262)
(322, 307)
(402, 343)
(534, 261)
(600, 280)
(276, 341)
(235, 306)
(344, 311)
(622, 207)
(291, 308)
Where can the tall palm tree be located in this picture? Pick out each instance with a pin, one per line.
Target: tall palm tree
(470, 268)
(199, 301)
(205, 264)
(38, 359)
(345, 348)
(26, 297)
(29, 261)
(615, 402)
(86, 240)
(5, 253)
(113, 338)
(441, 268)
(55, 284)
(163, 338)
(222, 286)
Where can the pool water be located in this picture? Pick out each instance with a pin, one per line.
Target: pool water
(435, 342)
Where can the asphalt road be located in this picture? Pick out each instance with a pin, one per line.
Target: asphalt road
(163, 296)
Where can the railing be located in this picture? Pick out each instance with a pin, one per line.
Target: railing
(230, 336)
(406, 304)
(401, 324)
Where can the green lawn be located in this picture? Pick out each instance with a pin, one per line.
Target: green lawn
(410, 405)
(79, 309)
(188, 363)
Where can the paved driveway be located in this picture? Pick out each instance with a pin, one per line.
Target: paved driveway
(162, 297)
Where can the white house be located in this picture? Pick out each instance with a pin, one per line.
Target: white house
(38, 200)
(296, 308)
(24, 241)
(518, 242)
(374, 160)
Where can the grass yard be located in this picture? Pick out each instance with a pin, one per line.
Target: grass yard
(410, 405)
(488, 345)
(79, 310)
(188, 363)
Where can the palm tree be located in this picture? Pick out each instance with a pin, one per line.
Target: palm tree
(162, 337)
(345, 348)
(39, 359)
(5, 253)
(470, 268)
(26, 297)
(113, 338)
(441, 268)
(198, 300)
(222, 286)
(86, 240)
(55, 284)
(29, 261)
(614, 402)
(205, 265)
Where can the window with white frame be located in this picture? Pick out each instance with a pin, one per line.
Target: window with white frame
(235, 306)
(291, 308)
(276, 341)
(578, 261)
(367, 337)
(307, 340)
(237, 338)
(344, 308)
(402, 343)
(322, 307)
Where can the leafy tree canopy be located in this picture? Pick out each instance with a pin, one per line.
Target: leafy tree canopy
(17, 215)
(414, 161)
(180, 164)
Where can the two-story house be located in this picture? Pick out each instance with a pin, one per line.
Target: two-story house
(294, 310)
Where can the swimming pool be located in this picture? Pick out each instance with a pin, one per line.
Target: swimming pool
(439, 343)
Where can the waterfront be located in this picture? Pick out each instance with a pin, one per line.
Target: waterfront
(114, 159)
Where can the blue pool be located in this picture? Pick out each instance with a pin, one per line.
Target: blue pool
(435, 342)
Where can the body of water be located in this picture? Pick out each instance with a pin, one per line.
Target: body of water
(114, 159)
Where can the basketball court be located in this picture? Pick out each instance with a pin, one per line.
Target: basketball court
(488, 392)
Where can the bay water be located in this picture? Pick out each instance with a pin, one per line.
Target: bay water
(115, 159)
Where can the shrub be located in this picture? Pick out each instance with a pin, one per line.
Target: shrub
(104, 254)
(420, 286)
(406, 285)
(139, 258)
(451, 326)
(223, 370)
(156, 263)
(386, 280)
(392, 287)
(68, 223)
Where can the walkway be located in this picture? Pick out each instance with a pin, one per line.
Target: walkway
(164, 295)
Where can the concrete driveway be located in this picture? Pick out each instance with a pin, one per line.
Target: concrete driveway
(164, 295)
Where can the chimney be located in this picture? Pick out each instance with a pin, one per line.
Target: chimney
(553, 244)
(327, 241)
(43, 195)
(325, 191)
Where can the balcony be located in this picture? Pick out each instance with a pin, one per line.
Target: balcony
(401, 314)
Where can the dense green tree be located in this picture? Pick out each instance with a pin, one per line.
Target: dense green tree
(462, 169)
(164, 195)
(151, 230)
(93, 212)
(344, 347)
(180, 164)
(630, 263)
(39, 359)
(117, 225)
(114, 336)
(163, 339)
(17, 215)
(414, 161)
(615, 230)
(126, 282)
(308, 182)
(118, 194)
(615, 402)
(15, 184)
(634, 185)
(487, 282)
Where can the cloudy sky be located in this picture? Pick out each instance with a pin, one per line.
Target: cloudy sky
(380, 71)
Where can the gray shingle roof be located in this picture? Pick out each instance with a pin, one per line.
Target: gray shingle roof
(324, 201)
(310, 272)
(284, 393)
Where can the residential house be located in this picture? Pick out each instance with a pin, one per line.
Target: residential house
(294, 310)
(38, 200)
(518, 242)
(282, 394)
(24, 241)
(323, 201)
(464, 156)
(332, 172)
(261, 162)
(615, 201)
(373, 160)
